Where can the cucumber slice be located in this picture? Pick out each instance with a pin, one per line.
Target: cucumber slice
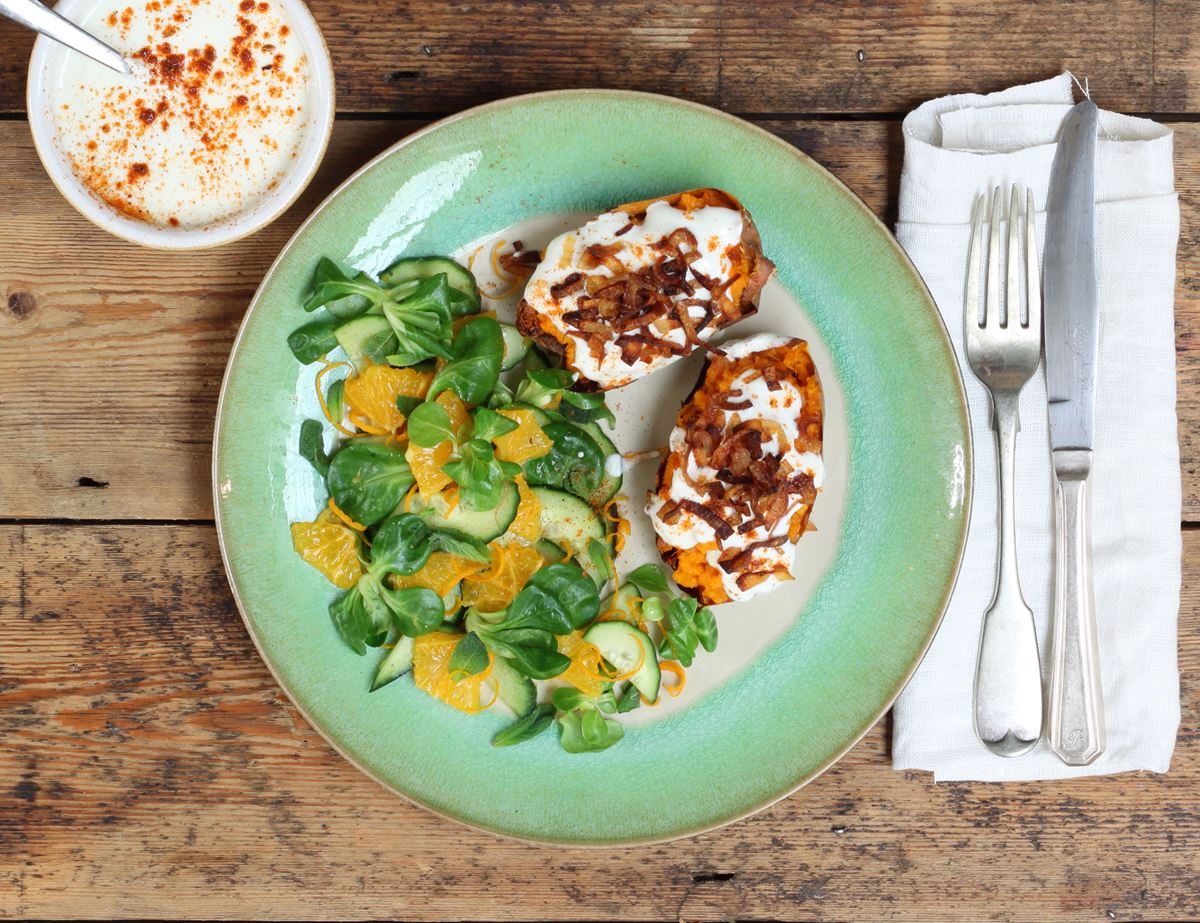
(567, 521)
(369, 335)
(622, 645)
(398, 661)
(610, 484)
(624, 603)
(516, 691)
(516, 346)
(484, 525)
(550, 551)
(417, 268)
(540, 417)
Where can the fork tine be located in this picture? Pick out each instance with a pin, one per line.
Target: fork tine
(991, 316)
(1032, 277)
(971, 296)
(1012, 291)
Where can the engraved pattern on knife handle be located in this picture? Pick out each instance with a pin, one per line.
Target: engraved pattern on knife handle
(1076, 707)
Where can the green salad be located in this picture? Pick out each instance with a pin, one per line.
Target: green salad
(471, 525)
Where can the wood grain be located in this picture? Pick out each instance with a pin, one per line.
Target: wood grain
(788, 57)
(126, 434)
(152, 768)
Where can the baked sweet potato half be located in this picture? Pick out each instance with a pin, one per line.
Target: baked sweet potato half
(642, 285)
(736, 489)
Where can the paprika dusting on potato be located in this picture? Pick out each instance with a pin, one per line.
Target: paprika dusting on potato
(736, 490)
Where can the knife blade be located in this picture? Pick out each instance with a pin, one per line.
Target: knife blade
(1069, 309)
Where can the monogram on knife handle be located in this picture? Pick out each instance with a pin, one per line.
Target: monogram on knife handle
(1076, 703)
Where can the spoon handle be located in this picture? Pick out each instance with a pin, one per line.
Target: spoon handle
(44, 20)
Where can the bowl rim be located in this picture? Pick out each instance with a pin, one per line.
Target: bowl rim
(967, 461)
(272, 205)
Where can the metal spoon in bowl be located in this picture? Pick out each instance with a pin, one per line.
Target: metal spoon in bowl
(44, 20)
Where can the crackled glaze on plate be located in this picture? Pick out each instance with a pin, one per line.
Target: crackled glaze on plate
(807, 669)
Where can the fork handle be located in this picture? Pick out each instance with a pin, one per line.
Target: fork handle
(1008, 677)
(1076, 695)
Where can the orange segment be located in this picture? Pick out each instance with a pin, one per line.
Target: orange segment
(512, 566)
(426, 465)
(584, 671)
(331, 547)
(527, 524)
(373, 392)
(526, 441)
(441, 573)
(431, 673)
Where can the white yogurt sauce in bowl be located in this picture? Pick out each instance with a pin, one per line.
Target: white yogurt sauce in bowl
(221, 126)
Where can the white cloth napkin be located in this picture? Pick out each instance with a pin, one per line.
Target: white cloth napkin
(955, 148)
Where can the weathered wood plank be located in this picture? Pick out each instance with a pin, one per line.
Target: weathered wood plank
(152, 768)
(760, 56)
(146, 334)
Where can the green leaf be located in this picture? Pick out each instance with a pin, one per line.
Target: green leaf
(406, 405)
(421, 322)
(379, 346)
(537, 663)
(310, 342)
(368, 480)
(593, 726)
(312, 445)
(489, 424)
(705, 626)
(461, 545)
(601, 556)
(606, 702)
(568, 698)
(470, 657)
(585, 407)
(415, 610)
(473, 371)
(401, 546)
(558, 598)
(629, 699)
(575, 462)
(649, 578)
(574, 740)
(429, 426)
(462, 304)
(345, 296)
(479, 475)
(356, 625)
(502, 395)
(527, 728)
(542, 387)
(334, 399)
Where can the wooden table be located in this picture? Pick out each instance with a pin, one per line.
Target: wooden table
(150, 767)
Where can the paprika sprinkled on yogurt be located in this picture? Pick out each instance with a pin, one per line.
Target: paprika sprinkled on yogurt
(212, 119)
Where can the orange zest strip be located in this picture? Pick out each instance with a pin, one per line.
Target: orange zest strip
(612, 678)
(606, 511)
(356, 526)
(670, 666)
(337, 424)
(361, 422)
(408, 497)
(452, 502)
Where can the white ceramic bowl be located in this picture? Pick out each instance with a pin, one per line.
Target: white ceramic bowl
(46, 68)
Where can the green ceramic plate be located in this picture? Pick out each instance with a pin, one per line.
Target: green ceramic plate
(800, 674)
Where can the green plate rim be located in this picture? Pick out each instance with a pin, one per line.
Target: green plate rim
(963, 420)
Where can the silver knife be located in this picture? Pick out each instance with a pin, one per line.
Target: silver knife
(1076, 706)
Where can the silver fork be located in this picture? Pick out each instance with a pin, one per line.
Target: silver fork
(1004, 352)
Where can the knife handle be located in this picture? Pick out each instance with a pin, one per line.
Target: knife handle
(1076, 696)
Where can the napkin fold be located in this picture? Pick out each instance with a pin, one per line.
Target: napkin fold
(955, 148)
